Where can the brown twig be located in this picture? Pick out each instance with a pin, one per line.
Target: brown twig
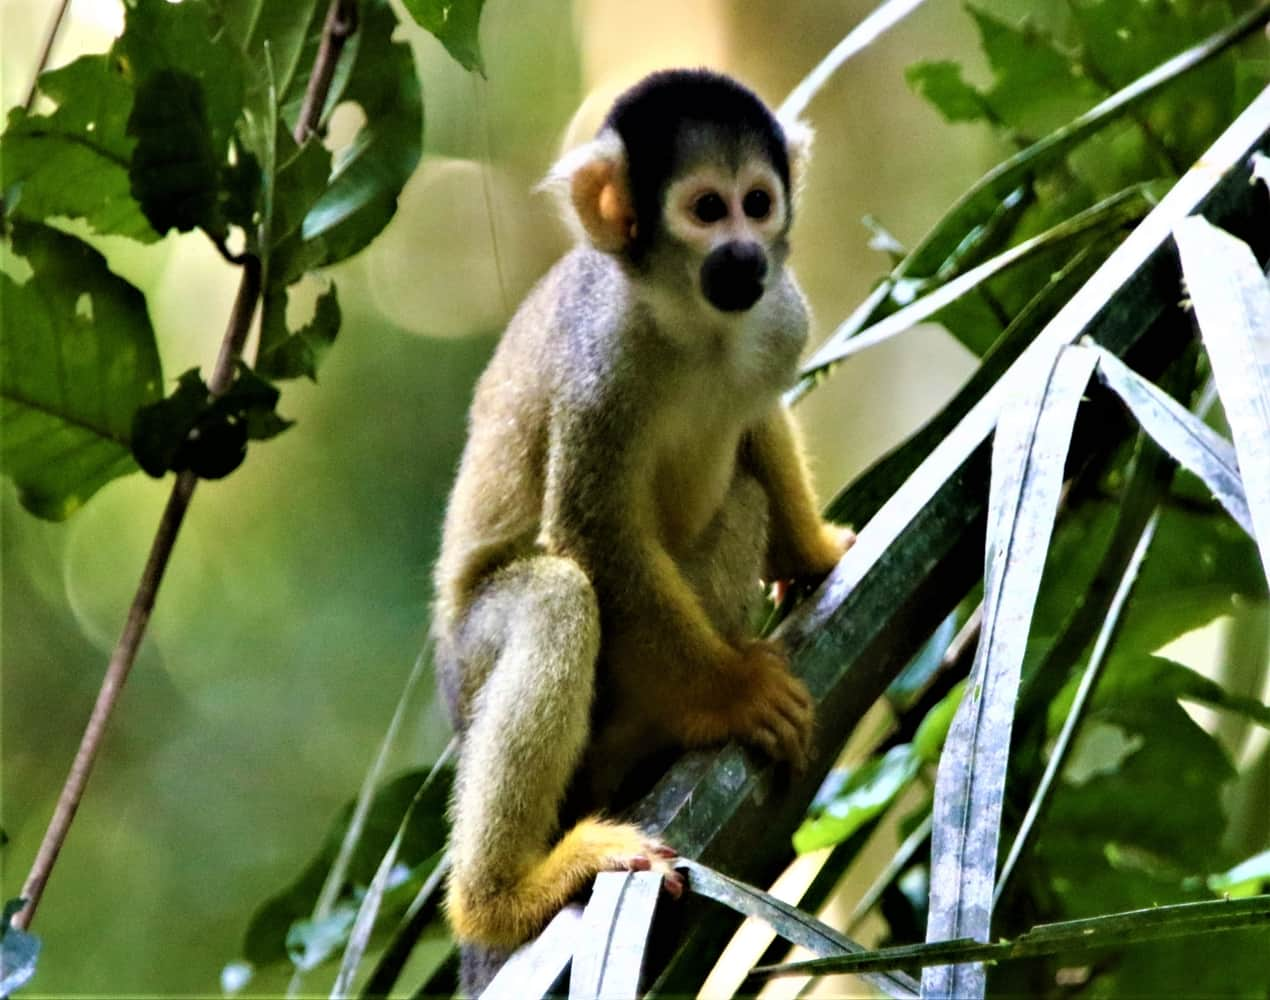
(340, 22)
(58, 17)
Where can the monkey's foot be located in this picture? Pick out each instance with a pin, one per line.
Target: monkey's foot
(507, 914)
(625, 847)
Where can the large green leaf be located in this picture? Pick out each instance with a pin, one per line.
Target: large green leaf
(77, 359)
(188, 37)
(190, 79)
(74, 161)
(277, 33)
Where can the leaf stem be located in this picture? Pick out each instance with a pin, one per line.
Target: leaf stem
(54, 26)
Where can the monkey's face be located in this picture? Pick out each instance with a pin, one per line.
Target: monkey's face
(732, 223)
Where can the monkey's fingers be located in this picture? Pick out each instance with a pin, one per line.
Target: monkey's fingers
(785, 742)
(673, 884)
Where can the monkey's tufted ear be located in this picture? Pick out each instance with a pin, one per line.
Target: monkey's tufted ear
(592, 182)
(798, 141)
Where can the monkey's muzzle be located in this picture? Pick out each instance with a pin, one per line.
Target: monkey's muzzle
(732, 275)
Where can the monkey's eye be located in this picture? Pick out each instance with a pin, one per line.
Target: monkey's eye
(757, 204)
(710, 207)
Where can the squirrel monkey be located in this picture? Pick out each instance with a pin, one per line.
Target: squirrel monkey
(630, 475)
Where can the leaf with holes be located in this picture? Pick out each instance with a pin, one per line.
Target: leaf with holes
(74, 161)
(77, 359)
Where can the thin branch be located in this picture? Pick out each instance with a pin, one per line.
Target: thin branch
(340, 21)
(116, 673)
(55, 25)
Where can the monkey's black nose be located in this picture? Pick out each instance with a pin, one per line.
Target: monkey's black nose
(732, 275)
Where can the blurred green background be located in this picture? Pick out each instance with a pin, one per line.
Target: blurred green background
(297, 598)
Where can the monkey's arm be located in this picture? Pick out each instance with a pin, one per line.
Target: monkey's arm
(801, 542)
(670, 667)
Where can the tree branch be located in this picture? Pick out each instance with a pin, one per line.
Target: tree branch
(340, 22)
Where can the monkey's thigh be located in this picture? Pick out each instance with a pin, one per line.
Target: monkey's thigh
(725, 565)
(533, 631)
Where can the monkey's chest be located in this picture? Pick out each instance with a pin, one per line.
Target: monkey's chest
(691, 479)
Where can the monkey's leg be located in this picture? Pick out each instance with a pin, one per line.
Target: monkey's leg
(529, 725)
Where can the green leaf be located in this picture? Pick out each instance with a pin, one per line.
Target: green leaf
(285, 30)
(422, 845)
(74, 161)
(77, 358)
(1193, 445)
(866, 792)
(941, 83)
(789, 922)
(175, 170)
(1036, 88)
(456, 23)
(372, 169)
(1128, 833)
(189, 38)
(189, 168)
(290, 355)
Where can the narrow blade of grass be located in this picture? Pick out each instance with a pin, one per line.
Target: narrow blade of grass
(1191, 442)
(788, 921)
(1121, 207)
(1069, 937)
(1028, 456)
(1232, 306)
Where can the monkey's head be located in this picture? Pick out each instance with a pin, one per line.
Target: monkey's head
(690, 182)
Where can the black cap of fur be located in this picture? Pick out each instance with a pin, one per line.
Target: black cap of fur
(676, 119)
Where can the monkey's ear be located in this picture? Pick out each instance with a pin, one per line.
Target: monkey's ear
(798, 142)
(591, 182)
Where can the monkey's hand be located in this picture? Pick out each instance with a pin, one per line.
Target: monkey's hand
(753, 698)
(823, 550)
